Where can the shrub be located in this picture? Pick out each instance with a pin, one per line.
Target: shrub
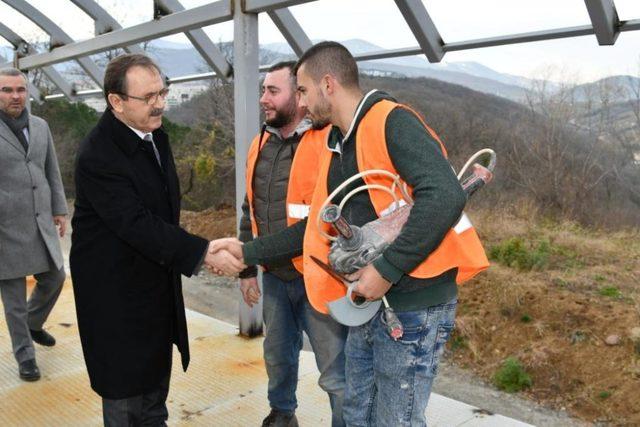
(610, 291)
(515, 253)
(511, 377)
(604, 394)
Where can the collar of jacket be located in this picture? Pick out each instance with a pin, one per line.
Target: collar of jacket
(303, 126)
(123, 136)
(336, 139)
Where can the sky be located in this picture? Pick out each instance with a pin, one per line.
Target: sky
(380, 22)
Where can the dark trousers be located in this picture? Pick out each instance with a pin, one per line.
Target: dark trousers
(149, 409)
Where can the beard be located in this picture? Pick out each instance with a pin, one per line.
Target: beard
(321, 116)
(283, 116)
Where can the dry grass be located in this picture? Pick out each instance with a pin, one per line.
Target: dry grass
(587, 291)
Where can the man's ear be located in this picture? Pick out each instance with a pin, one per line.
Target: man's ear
(328, 84)
(116, 102)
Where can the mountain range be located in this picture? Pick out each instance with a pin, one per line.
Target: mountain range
(179, 59)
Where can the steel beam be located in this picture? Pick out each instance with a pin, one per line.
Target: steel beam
(257, 6)
(291, 30)
(559, 33)
(205, 76)
(22, 48)
(423, 28)
(202, 16)
(56, 78)
(604, 18)
(57, 36)
(104, 22)
(201, 42)
(392, 53)
(79, 94)
(247, 122)
(631, 25)
(535, 36)
(18, 43)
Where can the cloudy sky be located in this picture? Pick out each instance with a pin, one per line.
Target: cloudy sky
(380, 22)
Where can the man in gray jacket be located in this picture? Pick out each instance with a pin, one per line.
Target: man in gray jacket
(32, 206)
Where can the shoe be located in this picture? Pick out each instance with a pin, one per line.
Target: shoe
(280, 419)
(29, 370)
(43, 338)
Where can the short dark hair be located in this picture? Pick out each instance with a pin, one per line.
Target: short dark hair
(330, 58)
(282, 65)
(13, 72)
(285, 65)
(115, 76)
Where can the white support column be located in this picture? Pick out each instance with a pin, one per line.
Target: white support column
(247, 117)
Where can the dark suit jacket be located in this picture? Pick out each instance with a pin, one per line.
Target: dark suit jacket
(127, 255)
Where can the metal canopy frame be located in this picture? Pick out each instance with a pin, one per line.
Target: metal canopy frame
(103, 22)
(22, 47)
(57, 35)
(170, 17)
(200, 41)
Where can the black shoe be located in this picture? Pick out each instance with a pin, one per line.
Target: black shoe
(43, 338)
(280, 419)
(29, 370)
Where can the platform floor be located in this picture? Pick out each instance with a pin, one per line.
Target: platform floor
(225, 384)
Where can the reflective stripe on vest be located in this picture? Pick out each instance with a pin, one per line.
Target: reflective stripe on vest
(302, 178)
(297, 211)
(460, 248)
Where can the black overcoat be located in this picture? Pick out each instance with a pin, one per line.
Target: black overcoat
(127, 255)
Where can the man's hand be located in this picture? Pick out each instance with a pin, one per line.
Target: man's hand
(230, 244)
(222, 261)
(371, 284)
(61, 222)
(250, 290)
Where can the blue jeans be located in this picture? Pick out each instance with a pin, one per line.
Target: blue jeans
(287, 312)
(389, 382)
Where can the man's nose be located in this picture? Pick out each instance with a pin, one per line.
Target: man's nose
(160, 101)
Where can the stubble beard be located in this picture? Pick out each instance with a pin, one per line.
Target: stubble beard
(283, 116)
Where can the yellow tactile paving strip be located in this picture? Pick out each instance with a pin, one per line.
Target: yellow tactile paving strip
(224, 386)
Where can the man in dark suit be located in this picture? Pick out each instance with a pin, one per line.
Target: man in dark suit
(128, 251)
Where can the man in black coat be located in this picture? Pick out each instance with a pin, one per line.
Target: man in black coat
(128, 251)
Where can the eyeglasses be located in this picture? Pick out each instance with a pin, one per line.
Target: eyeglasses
(151, 98)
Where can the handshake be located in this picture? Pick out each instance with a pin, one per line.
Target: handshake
(224, 257)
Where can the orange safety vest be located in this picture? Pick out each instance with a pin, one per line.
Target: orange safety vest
(460, 248)
(302, 177)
